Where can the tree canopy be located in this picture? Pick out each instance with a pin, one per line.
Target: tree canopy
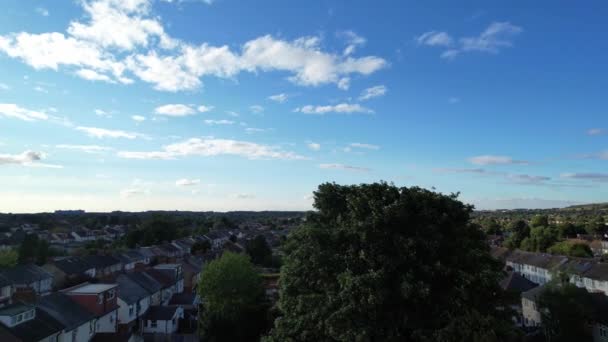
(382, 263)
(259, 251)
(233, 300)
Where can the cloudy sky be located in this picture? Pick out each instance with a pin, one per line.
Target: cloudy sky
(226, 105)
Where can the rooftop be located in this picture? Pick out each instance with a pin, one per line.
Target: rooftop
(92, 288)
(15, 309)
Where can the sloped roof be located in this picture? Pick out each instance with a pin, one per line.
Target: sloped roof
(516, 283)
(25, 274)
(542, 260)
(129, 290)
(38, 328)
(146, 281)
(65, 310)
(101, 261)
(73, 265)
(598, 271)
(534, 293)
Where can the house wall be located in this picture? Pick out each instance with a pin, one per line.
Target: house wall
(83, 333)
(53, 338)
(168, 327)
(107, 323)
(123, 311)
(600, 333)
(156, 298)
(530, 313)
(535, 274)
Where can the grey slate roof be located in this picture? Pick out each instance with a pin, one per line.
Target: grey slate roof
(598, 271)
(25, 274)
(65, 310)
(129, 290)
(516, 283)
(542, 260)
(147, 282)
(73, 265)
(42, 326)
(101, 261)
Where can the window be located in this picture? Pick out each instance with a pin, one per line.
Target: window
(111, 294)
(131, 310)
(19, 318)
(13, 320)
(74, 335)
(91, 327)
(153, 324)
(100, 298)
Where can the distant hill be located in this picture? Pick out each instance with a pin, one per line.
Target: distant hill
(591, 206)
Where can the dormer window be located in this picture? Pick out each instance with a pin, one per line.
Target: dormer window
(100, 298)
(111, 294)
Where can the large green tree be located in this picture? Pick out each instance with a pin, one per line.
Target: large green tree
(259, 251)
(233, 300)
(566, 311)
(382, 263)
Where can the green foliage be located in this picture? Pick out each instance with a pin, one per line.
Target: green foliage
(539, 221)
(8, 257)
(382, 263)
(259, 251)
(570, 248)
(540, 239)
(201, 247)
(569, 230)
(596, 226)
(519, 230)
(565, 311)
(233, 300)
(33, 249)
(223, 222)
(156, 230)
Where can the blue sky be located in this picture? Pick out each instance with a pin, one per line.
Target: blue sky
(236, 105)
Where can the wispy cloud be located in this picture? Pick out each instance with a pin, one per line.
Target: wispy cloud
(100, 133)
(205, 109)
(496, 36)
(256, 109)
(435, 38)
(314, 146)
(593, 176)
(207, 147)
(138, 118)
(372, 92)
(219, 122)
(335, 166)
(12, 110)
(342, 108)
(94, 149)
(187, 182)
(42, 11)
(597, 131)
(174, 110)
(496, 160)
(280, 98)
(26, 158)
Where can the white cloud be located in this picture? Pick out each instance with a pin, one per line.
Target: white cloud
(344, 167)
(175, 110)
(365, 146)
(4, 86)
(207, 147)
(40, 89)
(339, 108)
(93, 75)
(204, 109)
(102, 113)
(84, 148)
(526, 179)
(100, 133)
(116, 37)
(187, 182)
(26, 158)
(280, 98)
(256, 109)
(233, 113)
(42, 11)
(434, 38)
(495, 160)
(314, 146)
(372, 92)
(119, 24)
(219, 122)
(138, 118)
(12, 110)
